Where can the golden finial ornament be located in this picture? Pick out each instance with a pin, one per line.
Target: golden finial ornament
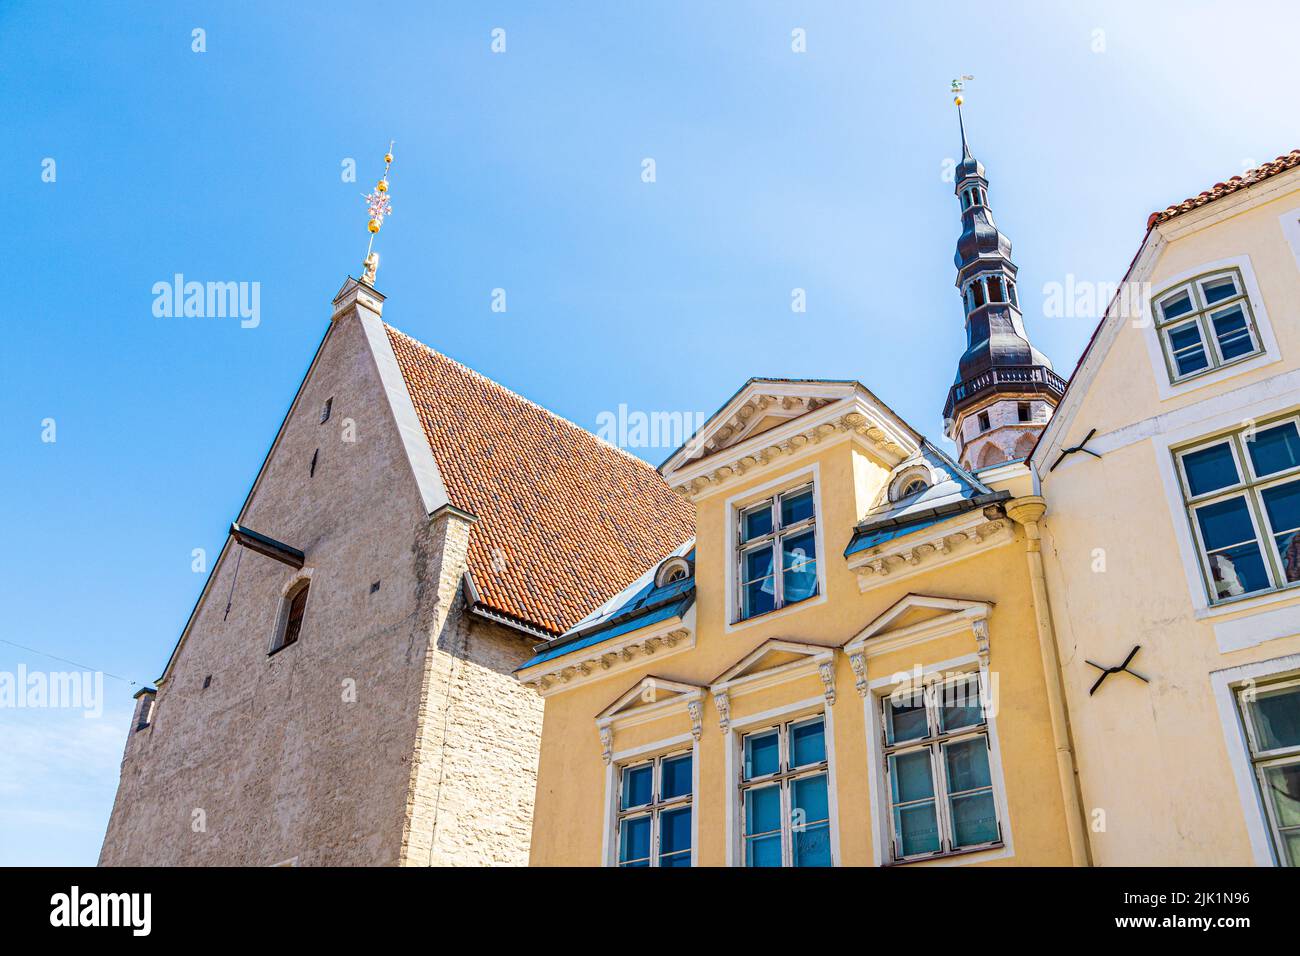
(380, 208)
(958, 85)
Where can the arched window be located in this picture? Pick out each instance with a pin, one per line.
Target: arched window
(293, 608)
(676, 568)
(990, 455)
(913, 487)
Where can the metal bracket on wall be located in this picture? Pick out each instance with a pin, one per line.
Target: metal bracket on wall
(1123, 668)
(1078, 447)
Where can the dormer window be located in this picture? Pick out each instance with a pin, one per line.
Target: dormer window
(777, 552)
(911, 481)
(676, 568)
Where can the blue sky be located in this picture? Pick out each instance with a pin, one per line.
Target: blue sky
(520, 170)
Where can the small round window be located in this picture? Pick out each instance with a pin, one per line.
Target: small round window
(915, 486)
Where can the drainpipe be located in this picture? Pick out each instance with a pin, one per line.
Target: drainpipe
(1027, 511)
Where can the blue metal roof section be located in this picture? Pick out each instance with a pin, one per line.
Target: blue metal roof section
(639, 605)
(958, 491)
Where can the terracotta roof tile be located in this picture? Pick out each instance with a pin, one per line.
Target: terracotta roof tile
(571, 519)
(1280, 165)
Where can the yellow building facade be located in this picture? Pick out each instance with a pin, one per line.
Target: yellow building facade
(1080, 652)
(827, 725)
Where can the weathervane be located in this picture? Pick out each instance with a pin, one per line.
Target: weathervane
(958, 85)
(380, 208)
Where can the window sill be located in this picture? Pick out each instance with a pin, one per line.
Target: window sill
(1249, 602)
(776, 612)
(1170, 390)
(970, 851)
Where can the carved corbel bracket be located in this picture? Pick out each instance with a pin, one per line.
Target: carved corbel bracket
(858, 661)
(826, 669)
(723, 703)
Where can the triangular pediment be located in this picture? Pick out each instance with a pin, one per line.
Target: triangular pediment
(920, 613)
(772, 655)
(646, 693)
(768, 417)
(761, 407)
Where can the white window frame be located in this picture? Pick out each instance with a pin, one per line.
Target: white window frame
(784, 778)
(658, 804)
(738, 728)
(1227, 685)
(935, 742)
(733, 506)
(1168, 388)
(879, 802)
(671, 746)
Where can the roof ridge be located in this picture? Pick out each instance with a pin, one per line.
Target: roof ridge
(1250, 177)
(527, 401)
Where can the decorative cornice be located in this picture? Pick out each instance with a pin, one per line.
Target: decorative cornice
(930, 547)
(642, 704)
(841, 418)
(610, 657)
(954, 615)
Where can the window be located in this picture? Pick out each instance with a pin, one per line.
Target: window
(654, 812)
(1205, 324)
(295, 608)
(1023, 412)
(995, 289)
(784, 799)
(1271, 714)
(144, 710)
(936, 755)
(778, 552)
(325, 411)
(1242, 493)
(984, 421)
(913, 487)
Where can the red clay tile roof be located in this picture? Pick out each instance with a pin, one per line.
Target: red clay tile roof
(575, 519)
(1280, 165)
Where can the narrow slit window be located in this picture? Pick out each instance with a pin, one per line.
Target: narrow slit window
(295, 608)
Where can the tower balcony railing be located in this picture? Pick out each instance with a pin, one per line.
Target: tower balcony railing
(1012, 378)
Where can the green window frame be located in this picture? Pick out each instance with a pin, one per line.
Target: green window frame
(1273, 735)
(1205, 323)
(1241, 493)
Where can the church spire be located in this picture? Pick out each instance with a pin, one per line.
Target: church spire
(1005, 389)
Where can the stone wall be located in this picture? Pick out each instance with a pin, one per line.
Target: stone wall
(310, 754)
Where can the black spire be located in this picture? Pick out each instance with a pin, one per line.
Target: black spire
(998, 357)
